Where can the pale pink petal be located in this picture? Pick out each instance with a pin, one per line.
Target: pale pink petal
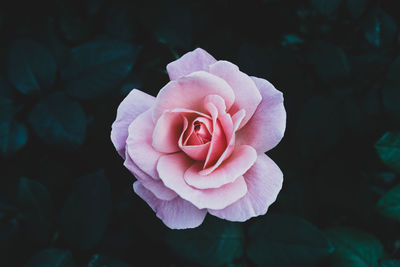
(242, 158)
(167, 131)
(155, 186)
(135, 103)
(188, 91)
(236, 119)
(176, 214)
(171, 168)
(190, 62)
(264, 181)
(247, 96)
(218, 140)
(267, 126)
(139, 144)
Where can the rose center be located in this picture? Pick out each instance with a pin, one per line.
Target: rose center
(201, 132)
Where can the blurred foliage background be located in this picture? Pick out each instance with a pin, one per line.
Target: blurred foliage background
(67, 200)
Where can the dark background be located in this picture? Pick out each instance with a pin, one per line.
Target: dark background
(65, 197)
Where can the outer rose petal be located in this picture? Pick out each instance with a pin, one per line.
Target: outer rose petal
(171, 169)
(135, 103)
(190, 62)
(176, 213)
(264, 181)
(267, 126)
(188, 92)
(242, 158)
(139, 144)
(247, 96)
(155, 186)
(167, 131)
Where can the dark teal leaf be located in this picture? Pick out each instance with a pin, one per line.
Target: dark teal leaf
(13, 135)
(59, 121)
(321, 53)
(388, 148)
(283, 240)
(34, 198)
(175, 28)
(393, 77)
(356, 7)
(391, 99)
(320, 126)
(52, 257)
(380, 28)
(74, 28)
(389, 204)
(5, 88)
(326, 7)
(30, 66)
(390, 263)
(98, 67)
(215, 242)
(119, 24)
(354, 248)
(98, 260)
(85, 215)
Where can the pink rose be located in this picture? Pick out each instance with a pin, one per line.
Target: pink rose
(199, 145)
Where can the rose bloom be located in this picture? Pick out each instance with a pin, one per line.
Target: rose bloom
(198, 147)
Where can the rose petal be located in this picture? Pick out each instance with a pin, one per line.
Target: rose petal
(188, 91)
(139, 144)
(167, 131)
(155, 186)
(190, 62)
(264, 181)
(267, 126)
(218, 140)
(198, 152)
(176, 213)
(242, 158)
(171, 169)
(135, 103)
(247, 96)
(236, 119)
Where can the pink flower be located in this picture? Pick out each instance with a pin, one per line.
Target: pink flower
(199, 145)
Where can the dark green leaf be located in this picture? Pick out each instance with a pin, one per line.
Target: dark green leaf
(59, 121)
(354, 248)
(215, 242)
(13, 135)
(389, 204)
(97, 67)
(86, 212)
(380, 28)
(320, 126)
(175, 27)
(388, 148)
(283, 240)
(5, 88)
(323, 52)
(30, 66)
(391, 99)
(326, 7)
(51, 257)
(356, 7)
(74, 28)
(390, 263)
(393, 77)
(102, 260)
(34, 198)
